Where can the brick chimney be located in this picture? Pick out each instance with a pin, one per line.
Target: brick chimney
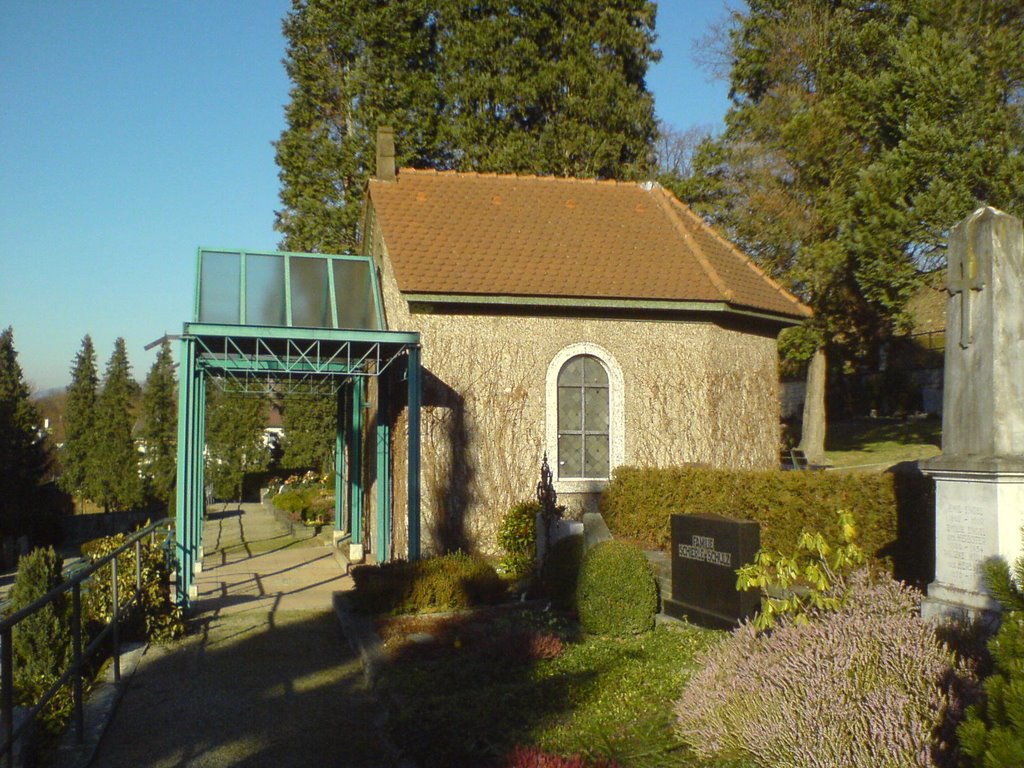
(386, 153)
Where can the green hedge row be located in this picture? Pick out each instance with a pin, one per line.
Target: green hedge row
(892, 510)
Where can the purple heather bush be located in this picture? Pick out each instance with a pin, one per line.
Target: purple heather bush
(866, 685)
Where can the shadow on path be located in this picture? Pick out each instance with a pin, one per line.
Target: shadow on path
(264, 676)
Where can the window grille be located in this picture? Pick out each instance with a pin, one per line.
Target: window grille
(583, 419)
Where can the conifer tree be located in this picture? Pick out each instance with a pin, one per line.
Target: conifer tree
(992, 733)
(235, 423)
(160, 425)
(512, 87)
(78, 452)
(859, 133)
(310, 424)
(23, 457)
(118, 485)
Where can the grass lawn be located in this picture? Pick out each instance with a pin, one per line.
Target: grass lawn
(875, 444)
(466, 689)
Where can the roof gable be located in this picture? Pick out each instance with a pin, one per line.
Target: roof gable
(503, 235)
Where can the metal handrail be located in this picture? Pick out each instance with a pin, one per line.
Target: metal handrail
(73, 583)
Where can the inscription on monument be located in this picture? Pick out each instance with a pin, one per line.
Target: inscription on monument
(706, 552)
(703, 548)
(965, 546)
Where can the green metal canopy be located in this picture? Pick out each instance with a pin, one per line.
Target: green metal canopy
(286, 322)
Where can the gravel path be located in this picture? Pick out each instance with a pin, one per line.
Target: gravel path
(264, 677)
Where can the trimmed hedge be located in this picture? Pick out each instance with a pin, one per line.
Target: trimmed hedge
(446, 583)
(639, 502)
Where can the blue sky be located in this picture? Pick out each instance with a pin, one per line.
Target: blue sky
(134, 131)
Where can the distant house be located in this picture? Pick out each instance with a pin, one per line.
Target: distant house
(601, 323)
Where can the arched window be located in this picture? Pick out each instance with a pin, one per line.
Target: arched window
(583, 419)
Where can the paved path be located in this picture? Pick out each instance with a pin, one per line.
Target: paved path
(264, 677)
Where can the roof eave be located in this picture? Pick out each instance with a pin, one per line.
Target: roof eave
(584, 302)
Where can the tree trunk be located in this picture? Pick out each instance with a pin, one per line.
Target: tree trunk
(812, 433)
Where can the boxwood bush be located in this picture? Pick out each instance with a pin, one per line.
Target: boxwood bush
(639, 502)
(517, 537)
(616, 595)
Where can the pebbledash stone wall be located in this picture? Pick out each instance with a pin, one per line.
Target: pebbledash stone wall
(690, 391)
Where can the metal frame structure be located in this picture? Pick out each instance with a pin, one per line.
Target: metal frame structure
(262, 359)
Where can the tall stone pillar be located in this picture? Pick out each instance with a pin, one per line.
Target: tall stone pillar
(979, 477)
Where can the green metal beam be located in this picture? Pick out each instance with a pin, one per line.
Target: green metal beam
(355, 466)
(339, 463)
(199, 509)
(414, 386)
(185, 480)
(276, 366)
(383, 475)
(300, 334)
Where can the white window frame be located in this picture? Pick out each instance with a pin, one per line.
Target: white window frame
(616, 416)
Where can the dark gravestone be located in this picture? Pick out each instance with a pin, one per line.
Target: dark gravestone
(706, 552)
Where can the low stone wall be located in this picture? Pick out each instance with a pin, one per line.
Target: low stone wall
(298, 529)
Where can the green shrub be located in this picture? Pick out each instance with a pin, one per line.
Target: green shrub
(41, 643)
(517, 536)
(154, 616)
(310, 505)
(993, 733)
(794, 584)
(561, 572)
(638, 503)
(447, 583)
(865, 686)
(616, 594)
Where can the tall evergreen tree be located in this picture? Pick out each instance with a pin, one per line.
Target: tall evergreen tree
(117, 482)
(534, 87)
(77, 455)
(310, 424)
(859, 133)
(23, 457)
(235, 423)
(160, 425)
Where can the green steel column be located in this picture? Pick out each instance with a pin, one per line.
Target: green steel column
(415, 395)
(339, 462)
(200, 445)
(355, 470)
(195, 485)
(183, 495)
(383, 538)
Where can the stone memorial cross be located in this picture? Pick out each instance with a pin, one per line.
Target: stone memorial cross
(979, 477)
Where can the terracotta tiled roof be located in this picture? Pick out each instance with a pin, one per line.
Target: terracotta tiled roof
(494, 235)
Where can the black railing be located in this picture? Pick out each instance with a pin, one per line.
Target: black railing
(76, 672)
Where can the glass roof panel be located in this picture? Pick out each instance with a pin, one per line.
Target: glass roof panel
(287, 290)
(311, 301)
(219, 275)
(354, 294)
(264, 290)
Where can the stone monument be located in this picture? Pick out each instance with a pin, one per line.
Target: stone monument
(979, 477)
(707, 550)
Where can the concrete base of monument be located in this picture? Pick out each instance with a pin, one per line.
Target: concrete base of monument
(979, 512)
(698, 615)
(945, 602)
